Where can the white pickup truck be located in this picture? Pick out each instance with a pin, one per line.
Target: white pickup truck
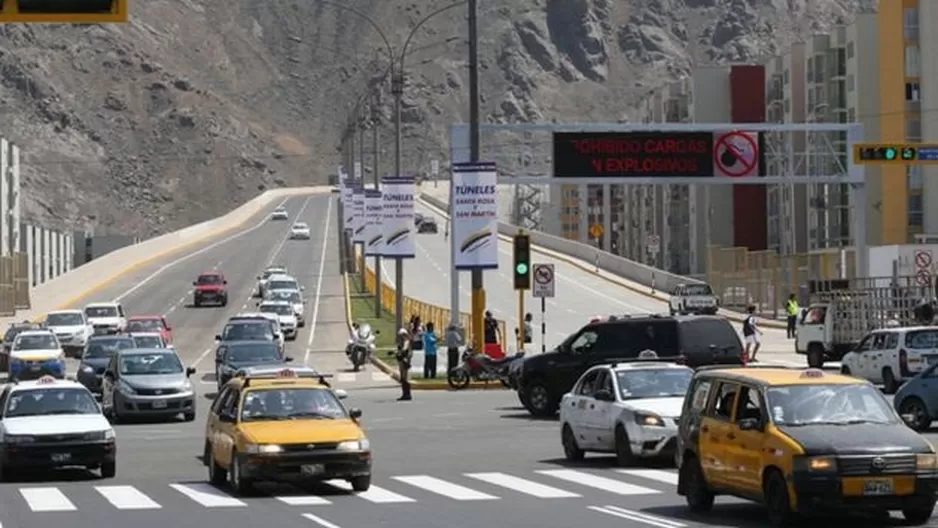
(693, 299)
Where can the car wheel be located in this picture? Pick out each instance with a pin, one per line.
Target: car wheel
(845, 370)
(571, 450)
(918, 514)
(816, 356)
(624, 454)
(360, 483)
(189, 416)
(775, 491)
(197, 303)
(240, 484)
(697, 493)
(539, 400)
(919, 420)
(216, 474)
(109, 469)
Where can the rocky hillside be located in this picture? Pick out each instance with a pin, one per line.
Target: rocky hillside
(197, 105)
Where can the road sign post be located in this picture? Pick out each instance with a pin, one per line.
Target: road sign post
(435, 171)
(654, 244)
(596, 232)
(923, 264)
(544, 287)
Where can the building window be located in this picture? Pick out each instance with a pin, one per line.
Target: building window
(850, 83)
(850, 50)
(851, 115)
(785, 77)
(912, 61)
(913, 176)
(912, 92)
(915, 209)
(819, 68)
(911, 23)
(810, 73)
(841, 67)
(787, 106)
(913, 130)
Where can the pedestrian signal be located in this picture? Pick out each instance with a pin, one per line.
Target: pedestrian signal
(64, 11)
(522, 259)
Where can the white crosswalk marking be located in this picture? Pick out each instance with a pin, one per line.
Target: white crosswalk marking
(660, 475)
(207, 495)
(346, 377)
(379, 376)
(47, 500)
(442, 487)
(127, 498)
(303, 500)
(522, 485)
(595, 481)
(374, 493)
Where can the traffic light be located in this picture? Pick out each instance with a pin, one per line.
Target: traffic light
(899, 154)
(522, 268)
(64, 11)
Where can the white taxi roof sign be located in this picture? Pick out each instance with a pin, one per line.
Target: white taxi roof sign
(45, 380)
(812, 373)
(280, 372)
(647, 354)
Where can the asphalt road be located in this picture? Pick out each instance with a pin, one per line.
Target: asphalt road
(444, 460)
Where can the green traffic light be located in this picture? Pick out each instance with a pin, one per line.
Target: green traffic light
(521, 269)
(889, 153)
(908, 153)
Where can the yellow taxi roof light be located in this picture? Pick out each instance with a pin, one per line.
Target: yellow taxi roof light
(280, 373)
(812, 373)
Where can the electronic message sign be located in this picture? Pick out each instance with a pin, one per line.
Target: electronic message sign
(64, 11)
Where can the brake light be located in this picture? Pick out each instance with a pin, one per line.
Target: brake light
(904, 363)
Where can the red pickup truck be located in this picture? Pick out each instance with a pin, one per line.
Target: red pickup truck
(210, 288)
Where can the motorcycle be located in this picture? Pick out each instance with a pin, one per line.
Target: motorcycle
(481, 367)
(361, 345)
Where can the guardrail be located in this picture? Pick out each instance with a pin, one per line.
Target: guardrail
(427, 312)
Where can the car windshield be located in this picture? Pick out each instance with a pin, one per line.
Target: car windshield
(148, 341)
(65, 319)
(209, 280)
(800, 405)
(653, 383)
(252, 330)
(253, 353)
(36, 342)
(276, 271)
(105, 348)
(300, 226)
(698, 289)
(101, 311)
(150, 364)
(144, 325)
(284, 295)
(36, 402)
(283, 285)
(279, 309)
(14, 331)
(291, 404)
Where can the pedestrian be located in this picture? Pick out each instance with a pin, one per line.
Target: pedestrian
(415, 328)
(492, 332)
(404, 355)
(791, 308)
(751, 334)
(528, 328)
(430, 340)
(453, 341)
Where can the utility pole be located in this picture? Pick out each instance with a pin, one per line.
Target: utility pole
(478, 286)
(397, 88)
(360, 124)
(375, 159)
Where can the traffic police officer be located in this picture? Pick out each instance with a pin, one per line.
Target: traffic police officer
(791, 308)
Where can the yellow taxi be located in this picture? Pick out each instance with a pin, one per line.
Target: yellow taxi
(284, 424)
(800, 442)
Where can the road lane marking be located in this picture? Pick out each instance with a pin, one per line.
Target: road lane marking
(346, 377)
(146, 280)
(522, 485)
(303, 500)
(374, 493)
(320, 521)
(127, 498)
(207, 495)
(444, 488)
(635, 516)
(322, 266)
(47, 500)
(202, 356)
(595, 481)
(659, 475)
(379, 376)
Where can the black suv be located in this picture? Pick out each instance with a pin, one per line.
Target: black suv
(542, 380)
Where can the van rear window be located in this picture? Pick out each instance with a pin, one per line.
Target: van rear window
(919, 339)
(698, 335)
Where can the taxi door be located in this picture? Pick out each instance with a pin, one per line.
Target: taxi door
(745, 446)
(223, 431)
(601, 414)
(580, 407)
(715, 432)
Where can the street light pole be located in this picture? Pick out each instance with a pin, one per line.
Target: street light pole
(377, 174)
(478, 285)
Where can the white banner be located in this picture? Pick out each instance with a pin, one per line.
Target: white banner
(358, 210)
(373, 236)
(345, 191)
(348, 202)
(397, 223)
(475, 215)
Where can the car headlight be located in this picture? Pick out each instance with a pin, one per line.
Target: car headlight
(99, 436)
(125, 388)
(19, 439)
(262, 449)
(354, 445)
(187, 386)
(823, 464)
(648, 420)
(926, 462)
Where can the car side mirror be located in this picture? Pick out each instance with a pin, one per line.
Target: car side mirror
(604, 395)
(217, 337)
(224, 282)
(169, 328)
(341, 394)
(258, 277)
(749, 424)
(302, 288)
(355, 413)
(288, 359)
(377, 332)
(190, 371)
(194, 283)
(226, 417)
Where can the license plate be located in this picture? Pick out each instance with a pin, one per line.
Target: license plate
(312, 470)
(61, 457)
(159, 404)
(878, 487)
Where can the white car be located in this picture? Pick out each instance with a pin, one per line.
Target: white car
(890, 356)
(299, 231)
(283, 282)
(51, 423)
(36, 353)
(106, 317)
(627, 408)
(72, 330)
(285, 316)
(149, 340)
(293, 297)
(279, 214)
(693, 299)
(265, 275)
